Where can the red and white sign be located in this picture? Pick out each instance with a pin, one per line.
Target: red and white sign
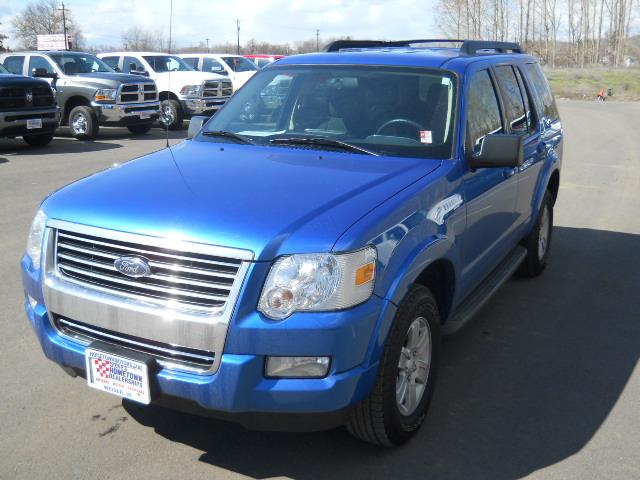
(53, 42)
(118, 375)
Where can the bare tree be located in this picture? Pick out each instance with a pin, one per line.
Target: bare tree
(136, 38)
(43, 18)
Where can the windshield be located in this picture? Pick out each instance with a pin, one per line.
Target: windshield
(240, 64)
(167, 63)
(76, 63)
(387, 110)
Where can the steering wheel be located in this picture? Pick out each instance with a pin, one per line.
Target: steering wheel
(411, 123)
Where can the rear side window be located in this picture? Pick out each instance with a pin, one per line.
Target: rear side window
(542, 90)
(513, 102)
(483, 111)
(39, 62)
(192, 62)
(14, 64)
(112, 62)
(211, 65)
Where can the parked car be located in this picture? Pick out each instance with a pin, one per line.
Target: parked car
(294, 265)
(89, 92)
(262, 60)
(183, 91)
(27, 108)
(237, 68)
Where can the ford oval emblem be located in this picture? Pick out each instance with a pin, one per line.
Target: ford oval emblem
(135, 267)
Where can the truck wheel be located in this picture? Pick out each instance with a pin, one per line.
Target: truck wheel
(38, 140)
(140, 129)
(396, 407)
(171, 114)
(538, 242)
(83, 123)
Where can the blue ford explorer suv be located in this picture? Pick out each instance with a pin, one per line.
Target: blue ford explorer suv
(294, 265)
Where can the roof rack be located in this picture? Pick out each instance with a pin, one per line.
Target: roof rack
(468, 47)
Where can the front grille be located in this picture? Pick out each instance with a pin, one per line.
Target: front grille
(189, 279)
(12, 97)
(217, 88)
(16, 97)
(42, 97)
(29, 116)
(166, 354)
(137, 92)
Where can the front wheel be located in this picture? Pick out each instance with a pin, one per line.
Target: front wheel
(83, 123)
(538, 242)
(139, 129)
(397, 405)
(171, 114)
(38, 140)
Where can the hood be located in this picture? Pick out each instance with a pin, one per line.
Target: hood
(180, 79)
(270, 200)
(10, 80)
(109, 79)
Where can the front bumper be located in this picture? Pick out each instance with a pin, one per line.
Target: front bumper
(198, 106)
(239, 390)
(15, 123)
(127, 114)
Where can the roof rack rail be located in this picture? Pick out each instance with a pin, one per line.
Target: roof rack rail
(468, 47)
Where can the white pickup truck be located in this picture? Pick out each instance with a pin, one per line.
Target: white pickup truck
(183, 92)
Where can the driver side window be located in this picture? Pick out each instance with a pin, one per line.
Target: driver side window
(39, 62)
(132, 63)
(483, 111)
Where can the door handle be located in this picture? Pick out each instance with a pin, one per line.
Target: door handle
(542, 147)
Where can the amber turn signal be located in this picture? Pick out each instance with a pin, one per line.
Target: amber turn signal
(365, 273)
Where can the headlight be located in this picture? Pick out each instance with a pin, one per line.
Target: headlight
(190, 91)
(34, 242)
(105, 95)
(318, 282)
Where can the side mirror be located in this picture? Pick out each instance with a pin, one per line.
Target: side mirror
(499, 150)
(142, 73)
(42, 73)
(219, 71)
(195, 125)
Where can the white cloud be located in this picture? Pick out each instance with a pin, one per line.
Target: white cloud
(104, 21)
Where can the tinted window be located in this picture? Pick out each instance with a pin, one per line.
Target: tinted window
(112, 62)
(483, 111)
(39, 62)
(543, 90)
(14, 64)
(527, 100)
(512, 96)
(132, 63)
(167, 63)
(211, 65)
(192, 62)
(263, 62)
(240, 64)
(72, 63)
(391, 110)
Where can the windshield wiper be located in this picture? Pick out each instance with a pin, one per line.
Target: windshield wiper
(323, 142)
(231, 135)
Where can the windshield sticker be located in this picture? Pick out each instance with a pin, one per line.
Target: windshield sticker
(425, 136)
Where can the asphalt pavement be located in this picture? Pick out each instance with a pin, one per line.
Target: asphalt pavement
(544, 384)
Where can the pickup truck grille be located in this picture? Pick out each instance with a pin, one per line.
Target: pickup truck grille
(29, 97)
(189, 279)
(137, 92)
(217, 88)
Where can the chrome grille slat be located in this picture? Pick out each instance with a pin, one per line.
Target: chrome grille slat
(148, 252)
(163, 278)
(194, 279)
(217, 88)
(137, 93)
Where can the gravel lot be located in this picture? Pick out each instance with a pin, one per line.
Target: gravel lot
(545, 383)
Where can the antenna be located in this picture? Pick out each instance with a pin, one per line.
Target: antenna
(169, 73)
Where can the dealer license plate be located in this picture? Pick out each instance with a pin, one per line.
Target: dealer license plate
(34, 123)
(121, 376)
(145, 114)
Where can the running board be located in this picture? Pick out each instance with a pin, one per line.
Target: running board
(483, 293)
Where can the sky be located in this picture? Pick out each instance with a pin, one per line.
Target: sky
(277, 21)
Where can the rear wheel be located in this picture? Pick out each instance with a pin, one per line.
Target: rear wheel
(396, 407)
(83, 123)
(38, 140)
(171, 114)
(538, 242)
(140, 129)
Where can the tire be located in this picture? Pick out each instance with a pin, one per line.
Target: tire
(538, 242)
(171, 114)
(83, 123)
(382, 418)
(39, 140)
(140, 129)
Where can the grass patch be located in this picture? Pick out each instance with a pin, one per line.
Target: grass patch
(578, 83)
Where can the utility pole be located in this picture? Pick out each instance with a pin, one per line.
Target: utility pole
(207, 44)
(317, 40)
(238, 33)
(64, 28)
